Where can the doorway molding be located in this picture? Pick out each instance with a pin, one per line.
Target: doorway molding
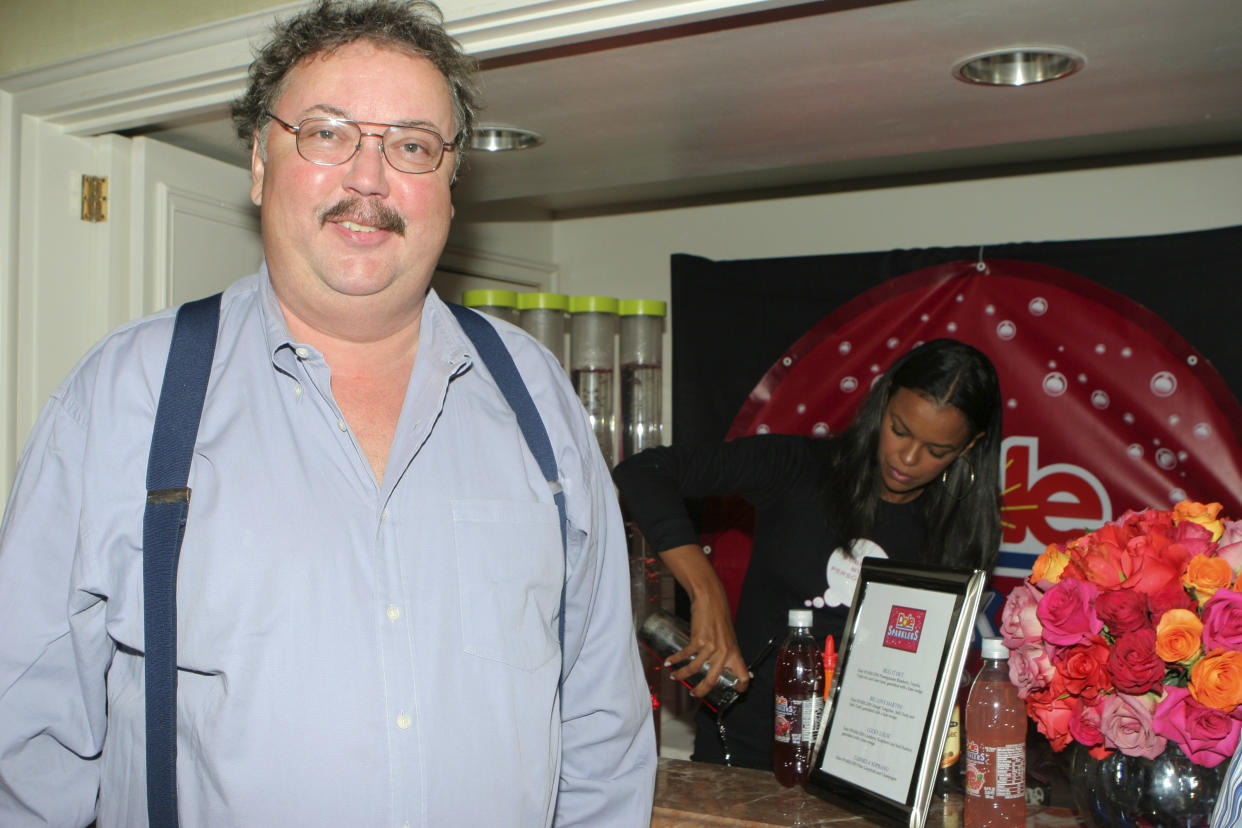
(201, 69)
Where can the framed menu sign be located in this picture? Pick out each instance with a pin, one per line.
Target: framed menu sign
(898, 668)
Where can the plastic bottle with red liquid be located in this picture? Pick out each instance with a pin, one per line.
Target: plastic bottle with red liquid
(995, 744)
(799, 700)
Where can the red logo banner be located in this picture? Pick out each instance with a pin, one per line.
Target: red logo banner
(1106, 407)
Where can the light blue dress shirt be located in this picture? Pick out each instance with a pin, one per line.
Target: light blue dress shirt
(1228, 811)
(350, 654)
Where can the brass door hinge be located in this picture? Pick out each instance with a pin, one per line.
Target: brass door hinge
(94, 198)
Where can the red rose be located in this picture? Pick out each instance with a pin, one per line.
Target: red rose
(1155, 562)
(1102, 557)
(1172, 596)
(1066, 613)
(1150, 522)
(1084, 723)
(1206, 735)
(1122, 611)
(1051, 712)
(1133, 663)
(1222, 621)
(1084, 667)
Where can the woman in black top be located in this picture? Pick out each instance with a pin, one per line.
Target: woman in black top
(913, 478)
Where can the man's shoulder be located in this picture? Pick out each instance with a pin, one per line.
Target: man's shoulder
(139, 348)
(534, 362)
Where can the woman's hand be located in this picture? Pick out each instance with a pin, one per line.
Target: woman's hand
(712, 638)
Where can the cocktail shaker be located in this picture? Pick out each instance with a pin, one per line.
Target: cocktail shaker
(664, 634)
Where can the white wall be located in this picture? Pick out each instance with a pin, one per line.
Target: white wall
(628, 256)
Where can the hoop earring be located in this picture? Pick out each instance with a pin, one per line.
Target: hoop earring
(944, 477)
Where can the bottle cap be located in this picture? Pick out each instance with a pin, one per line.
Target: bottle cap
(800, 617)
(542, 301)
(592, 304)
(994, 648)
(489, 298)
(642, 307)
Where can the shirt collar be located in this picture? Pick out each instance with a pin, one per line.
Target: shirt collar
(275, 329)
(439, 334)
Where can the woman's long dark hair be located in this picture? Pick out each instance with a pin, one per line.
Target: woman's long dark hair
(963, 519)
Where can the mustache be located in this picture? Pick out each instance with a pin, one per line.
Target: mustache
(359, 211)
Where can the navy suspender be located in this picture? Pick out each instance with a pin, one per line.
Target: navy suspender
(498, 361)
(168, 470)
(163, 527)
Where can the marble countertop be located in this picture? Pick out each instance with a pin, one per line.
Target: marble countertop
(693, 794)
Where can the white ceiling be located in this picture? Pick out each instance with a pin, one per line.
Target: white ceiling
(831, 94)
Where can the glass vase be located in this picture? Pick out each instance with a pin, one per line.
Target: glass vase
(1132, 791)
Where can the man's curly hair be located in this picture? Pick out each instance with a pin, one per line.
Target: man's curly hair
(412, 26)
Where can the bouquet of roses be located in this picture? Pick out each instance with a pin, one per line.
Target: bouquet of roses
(1131, 636)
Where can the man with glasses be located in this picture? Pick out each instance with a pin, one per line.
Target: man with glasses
(372, 579)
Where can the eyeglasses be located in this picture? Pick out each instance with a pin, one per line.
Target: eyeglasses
(329, 142)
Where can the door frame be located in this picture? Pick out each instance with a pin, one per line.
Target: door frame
(204, 68)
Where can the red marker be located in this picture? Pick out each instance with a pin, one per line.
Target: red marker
(830, 663)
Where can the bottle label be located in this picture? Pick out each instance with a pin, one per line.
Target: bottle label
(796, 719)
(953, 740)
(787, 722)
(995, 772)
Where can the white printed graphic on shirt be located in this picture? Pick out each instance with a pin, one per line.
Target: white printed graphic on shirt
(842, 574)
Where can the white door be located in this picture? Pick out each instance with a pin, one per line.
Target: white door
(198, 230)
(179, 226)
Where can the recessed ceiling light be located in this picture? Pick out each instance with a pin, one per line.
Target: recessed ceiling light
(1019, 66)
(496, 138)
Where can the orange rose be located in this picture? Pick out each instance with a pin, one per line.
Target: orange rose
(1050, 565)
(1216, 681)
(1203, 515)
(1178, 636)
(1206, 574)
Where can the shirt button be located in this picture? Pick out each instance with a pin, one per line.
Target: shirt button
(302, 352)
(297, 390)
(394, 612)
(384, 515)
(341, 425)
(403, 722)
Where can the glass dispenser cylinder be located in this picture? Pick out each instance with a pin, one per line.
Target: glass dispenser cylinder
(499, 303)
(543, 317)
(593, 329)
(641, 358)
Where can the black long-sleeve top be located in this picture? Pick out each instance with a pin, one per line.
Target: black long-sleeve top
(792, 563)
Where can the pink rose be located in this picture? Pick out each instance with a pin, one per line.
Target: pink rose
(1066, 613)
(1019, 624)
(1229, 546)
(1126, 722)
(1030, 668)
(1133, 663)
(1084, 722)
(1206, 735)
(1222, 621)
(1194, 537)
(1122, 611)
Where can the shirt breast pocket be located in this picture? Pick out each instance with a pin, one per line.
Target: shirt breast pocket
(509, 573)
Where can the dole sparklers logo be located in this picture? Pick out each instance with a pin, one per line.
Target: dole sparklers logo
(1046, 504)
(905, 628)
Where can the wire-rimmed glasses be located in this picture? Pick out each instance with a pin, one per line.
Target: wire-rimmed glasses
(330, 142)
